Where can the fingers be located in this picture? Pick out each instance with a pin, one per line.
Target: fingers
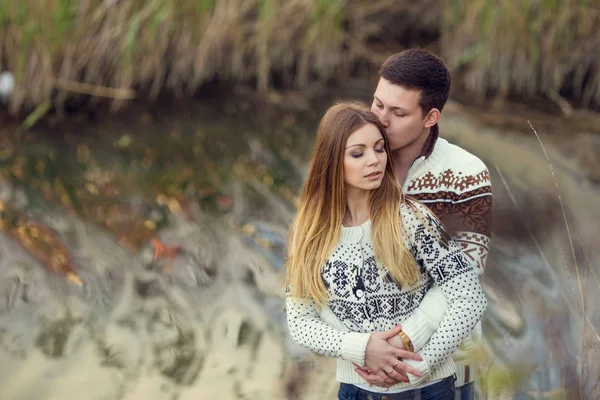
(377, 380)
(384, 377)
(399, 353)
(402, 366)
(398, 377)
(358, 367)
(369, 378)
(374, 379)
(392, 332)
(402, 374)
(397, 373)
(392, 377)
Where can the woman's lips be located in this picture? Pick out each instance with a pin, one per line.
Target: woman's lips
(374, 175)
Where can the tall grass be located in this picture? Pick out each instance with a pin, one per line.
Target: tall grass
(54, 46)
(527, 48)
(60, 49)
(581, 383)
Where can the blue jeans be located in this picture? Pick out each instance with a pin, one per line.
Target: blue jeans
(442, 390)
(466, 392)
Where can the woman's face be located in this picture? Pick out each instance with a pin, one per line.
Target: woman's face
(364, 159)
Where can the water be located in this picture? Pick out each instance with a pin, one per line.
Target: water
(140, 257)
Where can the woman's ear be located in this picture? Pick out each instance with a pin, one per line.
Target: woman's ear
(432, 117)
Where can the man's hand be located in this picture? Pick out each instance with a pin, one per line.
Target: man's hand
(384, 360)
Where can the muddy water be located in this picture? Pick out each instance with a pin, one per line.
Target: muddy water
(139, 257)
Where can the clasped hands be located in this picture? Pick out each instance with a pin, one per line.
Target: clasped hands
(383, 359)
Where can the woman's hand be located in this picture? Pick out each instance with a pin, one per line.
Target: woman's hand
(397, 342)
(383, 359)
(372, 378)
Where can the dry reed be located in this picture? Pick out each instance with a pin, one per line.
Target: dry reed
(585, 384)
(526, 48)
(115, 46)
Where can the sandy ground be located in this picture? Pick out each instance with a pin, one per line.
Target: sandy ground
(225, 336)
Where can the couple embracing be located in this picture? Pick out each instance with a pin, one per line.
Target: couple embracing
(391, 235)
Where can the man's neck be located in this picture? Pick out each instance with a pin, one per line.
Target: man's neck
(405, 157)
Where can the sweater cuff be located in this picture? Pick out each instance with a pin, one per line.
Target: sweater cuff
(354, 346)
(418, 329)
(423, 323)
(422, 367)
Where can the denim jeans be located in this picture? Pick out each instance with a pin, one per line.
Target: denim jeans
(442, 390)
(466, 392)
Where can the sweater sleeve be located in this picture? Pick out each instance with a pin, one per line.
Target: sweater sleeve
(468, 217)
(469, 221)
(425, 320)
(448, 267)
(308, 330)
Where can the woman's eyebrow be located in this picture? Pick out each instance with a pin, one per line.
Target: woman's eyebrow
(362, 145)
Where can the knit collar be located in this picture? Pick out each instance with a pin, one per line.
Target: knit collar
(354, 234)
(426, 163)
(434, 135)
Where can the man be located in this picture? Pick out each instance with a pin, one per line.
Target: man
(413, 88)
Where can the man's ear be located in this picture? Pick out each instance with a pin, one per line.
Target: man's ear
(432, 117)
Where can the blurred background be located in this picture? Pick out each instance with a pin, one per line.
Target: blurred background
(152, 152)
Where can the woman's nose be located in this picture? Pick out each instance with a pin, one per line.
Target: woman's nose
(373, 159)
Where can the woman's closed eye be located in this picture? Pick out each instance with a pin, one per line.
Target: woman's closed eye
(359, 155)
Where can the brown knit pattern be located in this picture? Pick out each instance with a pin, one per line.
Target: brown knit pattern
(469, 211)
(455, 181)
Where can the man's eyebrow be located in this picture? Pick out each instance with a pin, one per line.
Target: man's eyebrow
(393, 107)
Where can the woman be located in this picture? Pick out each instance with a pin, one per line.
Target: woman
(360, 259)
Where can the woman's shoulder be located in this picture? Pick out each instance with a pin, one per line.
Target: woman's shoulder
(419, 220)
(416, 215)
(413, 212)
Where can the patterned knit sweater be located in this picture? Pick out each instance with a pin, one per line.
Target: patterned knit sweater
(363, 299)
(456, 186)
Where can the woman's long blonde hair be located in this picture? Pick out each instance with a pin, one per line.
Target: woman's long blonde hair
(317, 227)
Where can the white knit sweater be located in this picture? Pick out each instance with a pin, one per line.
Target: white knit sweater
(362, 300)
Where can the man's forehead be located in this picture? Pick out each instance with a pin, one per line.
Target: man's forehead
(397, 96)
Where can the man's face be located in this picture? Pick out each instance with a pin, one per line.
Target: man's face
(399, 111)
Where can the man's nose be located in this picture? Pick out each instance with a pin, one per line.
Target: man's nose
(383, 119)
